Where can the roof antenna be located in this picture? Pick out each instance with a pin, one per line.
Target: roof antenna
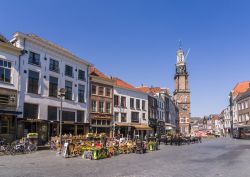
(180, 44)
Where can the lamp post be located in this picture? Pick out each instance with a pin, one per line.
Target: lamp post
(61, 94)
(231, 112)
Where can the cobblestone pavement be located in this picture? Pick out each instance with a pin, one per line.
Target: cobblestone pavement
(222, 157)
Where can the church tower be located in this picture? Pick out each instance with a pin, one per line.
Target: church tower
(182, 93)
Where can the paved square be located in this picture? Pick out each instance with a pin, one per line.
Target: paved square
(222, 157)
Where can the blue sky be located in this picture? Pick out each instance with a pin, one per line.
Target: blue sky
(137, 40)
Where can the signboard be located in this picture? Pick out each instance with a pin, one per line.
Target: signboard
(65, 150)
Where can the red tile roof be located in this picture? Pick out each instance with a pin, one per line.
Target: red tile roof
(153, 90)
(123, 84)
(241, 88)
(96, 72)
(120, 83)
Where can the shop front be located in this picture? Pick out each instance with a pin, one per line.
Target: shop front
(8, 125)
(8, 114)
(142, 130)
(101, 123)
(26, 126)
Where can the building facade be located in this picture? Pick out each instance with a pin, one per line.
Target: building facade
(9, 79)
(44, 69)
(243, 106)
(101, 102)
(130, 110)
(182, 93)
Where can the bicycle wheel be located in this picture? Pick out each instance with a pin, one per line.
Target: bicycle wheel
(33, 147)
(7, 150)
(13, 151)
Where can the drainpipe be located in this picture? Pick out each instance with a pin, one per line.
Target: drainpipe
(19, 79)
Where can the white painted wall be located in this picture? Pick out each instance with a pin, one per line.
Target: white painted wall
(131, 94)
(14, 70)
(43, 99)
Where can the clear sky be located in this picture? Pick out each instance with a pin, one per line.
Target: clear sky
(137, 40)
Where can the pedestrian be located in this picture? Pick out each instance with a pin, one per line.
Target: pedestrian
(166, 140)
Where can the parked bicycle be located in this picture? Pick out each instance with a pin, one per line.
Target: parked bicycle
(22, 147)
(4, 147)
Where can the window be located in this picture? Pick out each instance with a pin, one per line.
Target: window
(69, 71)
(143, 116)
(93, 89)
(101, 106)
(68, 87)
(246, 104)
(30, 111)
(93, 122)
(104, 122)
(138, 106)
(100, 91)
(81, 75)
(116, 100)
(93, 106)
(33, 82)
(34, 58)
(123, 102)
(135, 117)
(123, 117)
(80, 116)
(4, 126)
(143, 105)
(54, 65)
(108, 92)
(81, 93)
(53, 86)
(108, 107)
(99, 122)
(52, 113)
(116, 116)
(5, 71)
(68, 116)
(132, 103)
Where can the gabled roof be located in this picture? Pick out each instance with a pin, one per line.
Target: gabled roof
(243, 95)
(241, 87)
(153, 90)
(95, 72)
(215, 117)
(144, 89)
(122, 84)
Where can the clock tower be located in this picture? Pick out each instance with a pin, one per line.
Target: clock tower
(182, 93)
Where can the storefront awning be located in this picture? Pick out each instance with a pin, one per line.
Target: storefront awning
(142, 127)
(13, 113)
(122, 124)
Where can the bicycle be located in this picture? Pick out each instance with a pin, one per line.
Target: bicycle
(4, 147)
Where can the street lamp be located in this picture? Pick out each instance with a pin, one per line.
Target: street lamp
(231, 111)
(61, 94)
